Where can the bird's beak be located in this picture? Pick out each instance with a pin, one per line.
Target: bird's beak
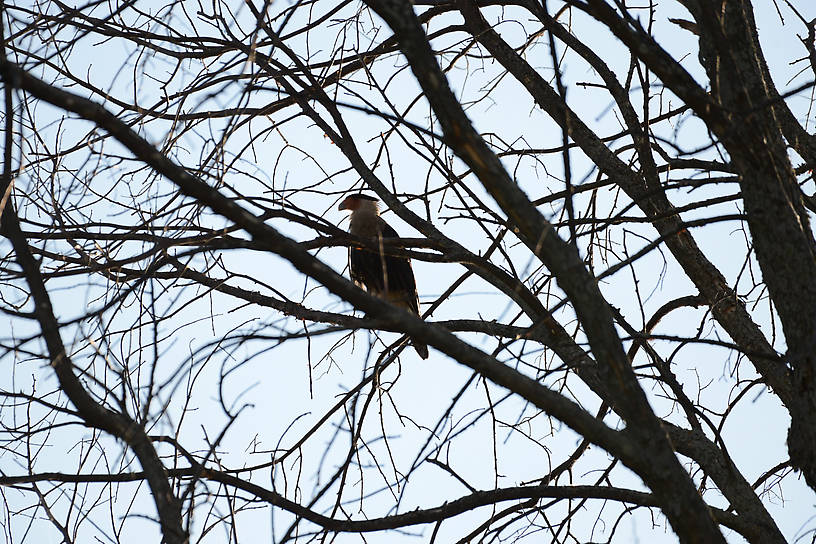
(343, 205)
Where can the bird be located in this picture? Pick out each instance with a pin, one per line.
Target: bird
(385, 276)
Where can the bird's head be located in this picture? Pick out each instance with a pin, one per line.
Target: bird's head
(359, 202)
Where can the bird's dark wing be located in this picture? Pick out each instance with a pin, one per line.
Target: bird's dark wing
(386, 276)
(366, 269)
(387, 231)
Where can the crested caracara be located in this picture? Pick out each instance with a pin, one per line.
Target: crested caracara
(388, 277)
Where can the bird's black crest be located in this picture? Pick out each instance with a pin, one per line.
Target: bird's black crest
(361, 196)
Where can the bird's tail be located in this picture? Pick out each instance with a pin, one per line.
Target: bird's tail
(421, 349)
(409, 303)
